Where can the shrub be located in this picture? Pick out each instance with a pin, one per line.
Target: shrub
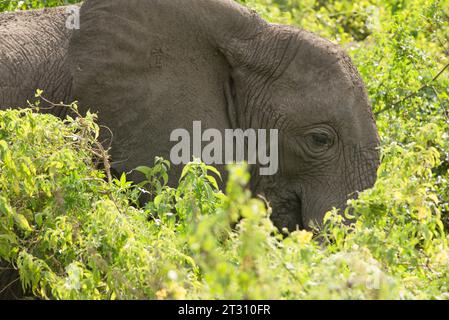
(72, 234)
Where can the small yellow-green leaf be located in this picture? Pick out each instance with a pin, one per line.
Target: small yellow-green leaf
(158, 200)
(22, 222)
(214, 170)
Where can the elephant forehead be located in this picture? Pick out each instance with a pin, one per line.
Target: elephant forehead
(322, 87)
(331, 74)
(317, 101)
(321, 66)
(329, 100)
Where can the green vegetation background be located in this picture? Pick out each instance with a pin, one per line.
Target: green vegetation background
(73, 234)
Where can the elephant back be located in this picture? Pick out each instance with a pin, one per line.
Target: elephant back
(33, 50)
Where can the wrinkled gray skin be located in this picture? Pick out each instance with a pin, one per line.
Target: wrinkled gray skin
(151, 66)
(33, 53)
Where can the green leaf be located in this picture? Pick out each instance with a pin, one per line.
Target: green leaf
(158, 199)
(38, 93)
(212, 181)
(22, 222)
(214, 170)
(145, 170)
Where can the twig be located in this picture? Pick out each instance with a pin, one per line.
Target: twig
(413, 94)
(437, 94)
(9, 284)
(102, 153)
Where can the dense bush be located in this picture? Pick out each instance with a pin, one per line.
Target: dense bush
(73, 233)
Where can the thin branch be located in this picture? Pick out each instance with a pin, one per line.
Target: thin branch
(100, 152)
(437, 95)
(9, 285)
(413, 94)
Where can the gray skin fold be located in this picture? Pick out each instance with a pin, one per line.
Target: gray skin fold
(33, 55)
(149, 67)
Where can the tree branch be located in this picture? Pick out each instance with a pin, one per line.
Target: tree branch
(413, 94)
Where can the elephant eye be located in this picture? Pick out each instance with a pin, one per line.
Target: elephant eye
(319, 140)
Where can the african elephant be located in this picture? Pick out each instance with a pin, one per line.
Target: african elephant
(152, 66)
(149, 67)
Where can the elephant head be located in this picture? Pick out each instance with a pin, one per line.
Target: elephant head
(152, 66)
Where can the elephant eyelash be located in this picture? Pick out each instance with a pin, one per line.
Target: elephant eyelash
(314, 143)
(320, 140)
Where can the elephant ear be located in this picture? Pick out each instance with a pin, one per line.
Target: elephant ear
(147, 63)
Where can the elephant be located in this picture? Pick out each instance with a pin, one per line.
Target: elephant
(170, 63)
(149, 67)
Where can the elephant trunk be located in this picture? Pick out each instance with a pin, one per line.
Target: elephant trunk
(360, 174)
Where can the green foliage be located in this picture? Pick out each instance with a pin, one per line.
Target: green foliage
(11, 5)
(74, 234)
